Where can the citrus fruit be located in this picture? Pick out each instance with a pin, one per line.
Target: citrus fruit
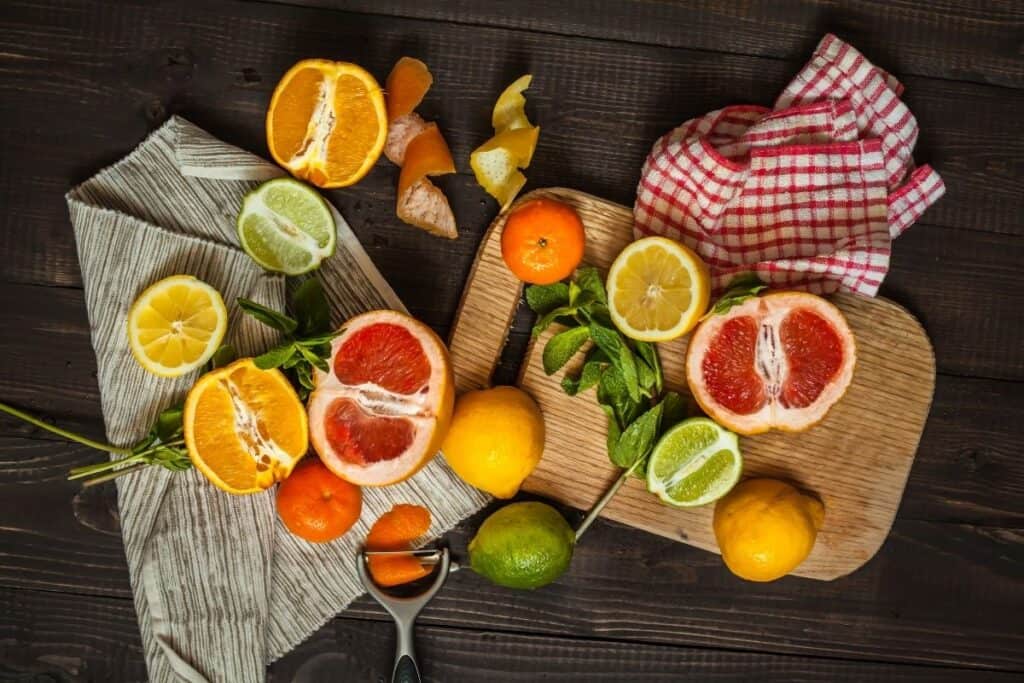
(398, 529)
(176, 325)
(381, 411)
(542, 241)
(245, 428)
(776, 361)
(522, 545)
(327, 122)
(408, 82)
(495, 440)
(765, 528)
(694, 463)
(657, 289)
(316, 505)
(496, 163)
(286, 227)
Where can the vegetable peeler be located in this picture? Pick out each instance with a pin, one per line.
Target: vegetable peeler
(405, 608)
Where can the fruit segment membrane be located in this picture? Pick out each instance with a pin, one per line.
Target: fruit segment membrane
(790, 361)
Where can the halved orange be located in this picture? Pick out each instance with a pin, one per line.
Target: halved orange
(245, 428)
(327, 122)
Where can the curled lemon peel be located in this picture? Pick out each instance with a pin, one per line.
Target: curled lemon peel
(496, 162)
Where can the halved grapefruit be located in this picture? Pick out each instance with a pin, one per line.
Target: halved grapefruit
(778, 361)
(381, 412)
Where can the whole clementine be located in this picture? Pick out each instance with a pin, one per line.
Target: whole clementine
(542, 241)
(317, 505)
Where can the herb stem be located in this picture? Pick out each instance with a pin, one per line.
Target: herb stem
(71, 436)
(605, 498)
(116, 473)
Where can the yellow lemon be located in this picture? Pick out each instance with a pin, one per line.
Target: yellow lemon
(657, 289)
(765, 528)
(176, 325)
(495, 440)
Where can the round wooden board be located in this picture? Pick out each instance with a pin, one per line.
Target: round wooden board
(857, 459)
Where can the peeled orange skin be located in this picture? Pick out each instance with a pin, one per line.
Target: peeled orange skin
(210, 426)
(429, 416)
(771, 415)
(407, 84)
(292, 118)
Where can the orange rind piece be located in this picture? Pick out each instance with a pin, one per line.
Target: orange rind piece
(420, 202)
(397, 529)
(406, 86)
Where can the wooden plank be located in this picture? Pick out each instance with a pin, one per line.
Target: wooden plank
(963, 41)
(627, 585)
(92, 100)
(350, 649)
(50, 636)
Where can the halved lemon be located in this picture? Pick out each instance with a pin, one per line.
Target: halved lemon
(245, 428)
(176, 325)
(657, 289)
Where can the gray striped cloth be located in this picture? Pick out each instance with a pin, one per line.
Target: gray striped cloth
(221, 588)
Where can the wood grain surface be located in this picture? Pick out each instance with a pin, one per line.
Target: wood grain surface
(83, 81)
(856, 460)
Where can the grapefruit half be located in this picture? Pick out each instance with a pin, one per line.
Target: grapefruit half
(381, 412)
(779, 361)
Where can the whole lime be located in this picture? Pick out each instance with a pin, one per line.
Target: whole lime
(522, 545)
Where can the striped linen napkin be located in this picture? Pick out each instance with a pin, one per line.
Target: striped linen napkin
(808, 195)
(221, 588)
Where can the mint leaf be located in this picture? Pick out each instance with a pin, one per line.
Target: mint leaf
(649, 356)
(614, 431)
(612, 342)
(224, 355)
(589, 280)
(278, 321)
(545, 320)
(593, 366)
(544, 298)
(674, 411)
(612, 391)
(168, 425)
(275, 357)
(638, 439)
(742, 287)
(563, 346)
(312, 312)
(574, 293)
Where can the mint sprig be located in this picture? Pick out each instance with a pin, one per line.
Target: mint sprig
(742, 287)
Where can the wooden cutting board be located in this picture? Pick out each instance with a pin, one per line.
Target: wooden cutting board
(857, 459)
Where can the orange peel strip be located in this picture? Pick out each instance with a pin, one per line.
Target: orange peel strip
(426, 155)
(397, 530)
(407, 84)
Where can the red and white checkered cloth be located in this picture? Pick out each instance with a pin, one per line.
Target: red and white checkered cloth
(808, 195)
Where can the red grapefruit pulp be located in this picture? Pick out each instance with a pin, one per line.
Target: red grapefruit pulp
(383, 409)
(777, 361)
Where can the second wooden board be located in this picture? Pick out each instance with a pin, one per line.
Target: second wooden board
(857, 459)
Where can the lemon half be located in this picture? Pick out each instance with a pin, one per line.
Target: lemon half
(657, 290)
(176, 325)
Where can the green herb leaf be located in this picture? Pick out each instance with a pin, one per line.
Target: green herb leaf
(168, 425)
(612, 391)
(174, 459)
(649, 357)
(673, 411)
(224, 355)
(278, 321)
(305, 376)
(637, 439)
(563, 346)
(614, 345)
(574, 293)
(313, 359)
(544, 298)
(589, 280)
(595, 363)
(614, 431)
(275, 357)
(742, 287)
(320, 339)
(312, 311)
(545, 320)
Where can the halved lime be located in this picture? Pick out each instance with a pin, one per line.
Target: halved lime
(286, 227)
(695, 463)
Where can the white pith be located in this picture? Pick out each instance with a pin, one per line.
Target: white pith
(770, 363)
(318, 130)
(417, 408)
(261, 448)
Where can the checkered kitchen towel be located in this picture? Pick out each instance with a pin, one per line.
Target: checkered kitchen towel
(221, 588)
(808, 195)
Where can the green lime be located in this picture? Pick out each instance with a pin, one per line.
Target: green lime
(522, 545)
(695, 463)
(286, 227)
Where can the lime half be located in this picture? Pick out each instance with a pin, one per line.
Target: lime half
(286, 227)
(695, 463)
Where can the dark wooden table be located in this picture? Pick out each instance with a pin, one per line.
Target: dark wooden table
(82, 82)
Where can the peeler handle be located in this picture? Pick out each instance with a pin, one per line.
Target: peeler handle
(406, 670)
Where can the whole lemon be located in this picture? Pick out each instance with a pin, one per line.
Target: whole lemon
(765, 528)
(495, 439)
